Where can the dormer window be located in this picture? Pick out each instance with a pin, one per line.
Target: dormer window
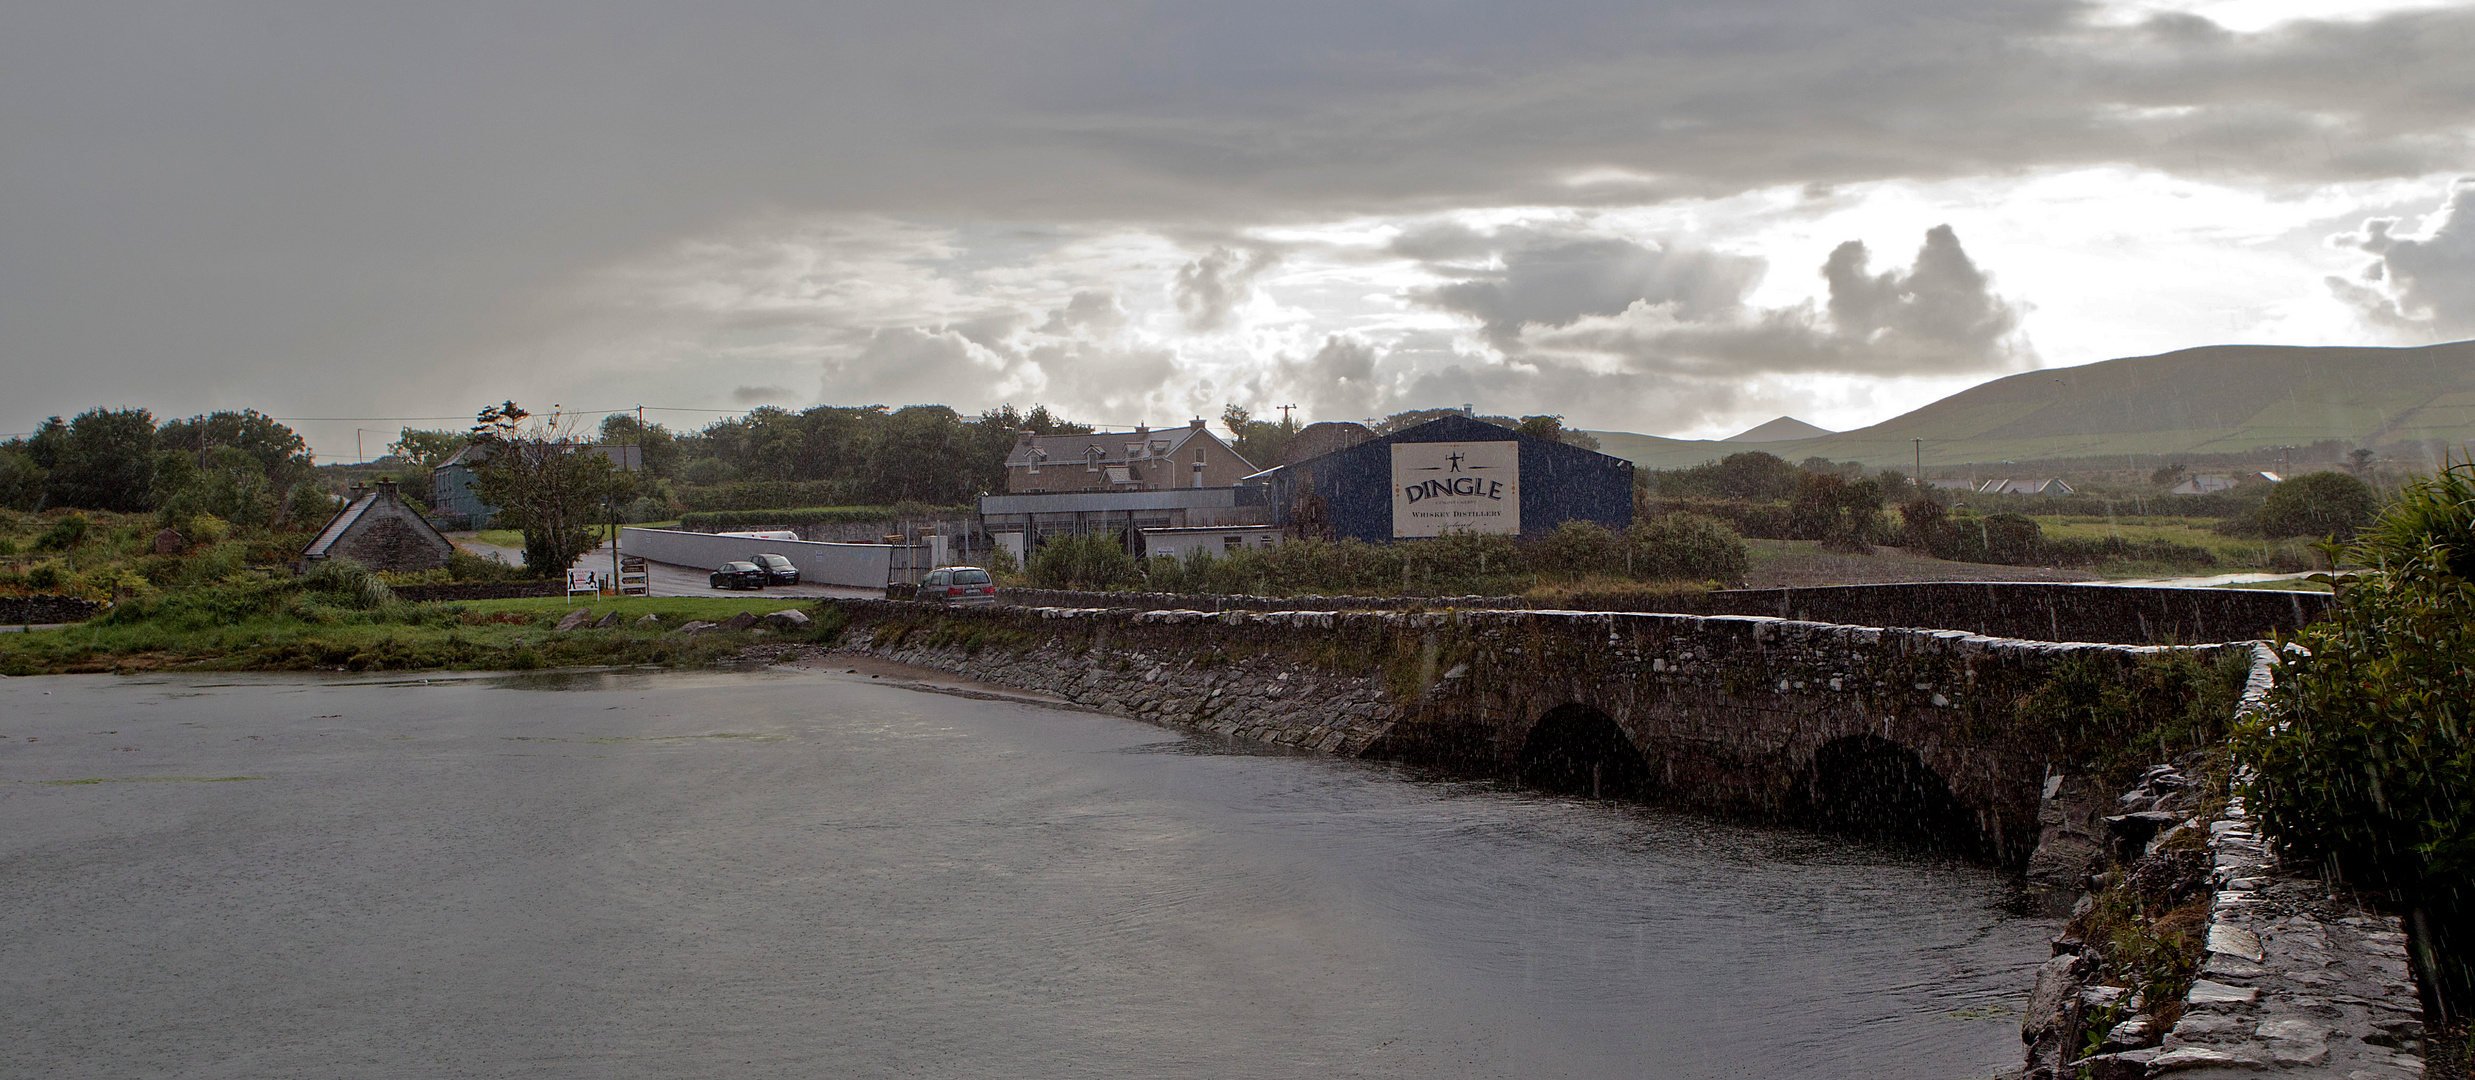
(1091, 458)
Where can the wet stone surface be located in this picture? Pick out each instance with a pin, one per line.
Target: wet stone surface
(2296, 982)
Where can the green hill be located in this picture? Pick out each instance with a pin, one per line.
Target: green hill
(2220, 399)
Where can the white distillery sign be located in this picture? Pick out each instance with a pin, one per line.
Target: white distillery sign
(1455, 487)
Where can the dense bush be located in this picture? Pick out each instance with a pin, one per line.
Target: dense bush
(2364, 764)
(1677, 547)
(2114, 717)
(2321, 504)
(1760, 521)
(1090, 561)
(1844, 514)
(767, 494)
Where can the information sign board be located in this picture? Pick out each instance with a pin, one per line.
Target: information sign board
(1455, 487)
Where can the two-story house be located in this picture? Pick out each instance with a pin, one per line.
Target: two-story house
(1138, 460)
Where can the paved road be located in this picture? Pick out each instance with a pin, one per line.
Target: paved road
(667, 579)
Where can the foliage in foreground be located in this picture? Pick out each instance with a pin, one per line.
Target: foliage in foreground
(2114, 718)
(2364, 763)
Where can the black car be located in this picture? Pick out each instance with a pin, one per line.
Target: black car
(739, 575)
(778, 570)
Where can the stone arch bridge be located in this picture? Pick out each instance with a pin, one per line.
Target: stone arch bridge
(1903, 733)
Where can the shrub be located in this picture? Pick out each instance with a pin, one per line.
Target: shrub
(2330, 504)
(66, 533)
(346, 583)
(1679, 547)
(2364, 762)
(1090, 561)
(2114, 717)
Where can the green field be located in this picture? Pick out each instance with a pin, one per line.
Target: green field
(481, 635)
(2232, 553)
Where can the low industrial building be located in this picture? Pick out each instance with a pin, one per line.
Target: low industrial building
(1020, 522)
(378, 530)
(1218, 543)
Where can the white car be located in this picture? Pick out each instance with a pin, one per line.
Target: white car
(958, 585)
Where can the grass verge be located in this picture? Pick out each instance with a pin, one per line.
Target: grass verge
(494, 635)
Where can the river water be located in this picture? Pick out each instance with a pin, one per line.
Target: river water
(803, 874)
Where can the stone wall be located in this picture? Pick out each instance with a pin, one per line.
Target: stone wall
(2295, 978)
(34, 610)
(1161, 601)
(2037, 611)
(2030, 611)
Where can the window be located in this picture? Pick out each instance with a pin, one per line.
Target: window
(970, 577)
(938, 579)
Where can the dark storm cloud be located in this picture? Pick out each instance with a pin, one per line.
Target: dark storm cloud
(2424, 283)
(1550, 279)
(1675, 310)
(218, 204)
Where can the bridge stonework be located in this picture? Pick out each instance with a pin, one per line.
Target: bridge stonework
(1749, 716)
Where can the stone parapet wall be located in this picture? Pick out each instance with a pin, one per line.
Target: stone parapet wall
(2038, 611)
(2025, 610)
(38, 609)
(1163, 601)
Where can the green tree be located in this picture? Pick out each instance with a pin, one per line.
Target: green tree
(2329, 504)
(103, 460)
(660, 447)
(1841, 513)
(429, 449)
(21, 480)
(1258, 441)
(283, 458)
(543, 482)
(2364, 761)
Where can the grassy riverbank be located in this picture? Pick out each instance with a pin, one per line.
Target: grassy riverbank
(306, 631)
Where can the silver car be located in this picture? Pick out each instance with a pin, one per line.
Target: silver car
(958, 585)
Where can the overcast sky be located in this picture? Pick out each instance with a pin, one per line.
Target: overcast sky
(1680, 219)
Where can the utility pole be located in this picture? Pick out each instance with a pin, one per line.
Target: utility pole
(1920, 463)
(1284, 413)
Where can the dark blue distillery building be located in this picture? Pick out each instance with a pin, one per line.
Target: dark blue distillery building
(1449, 475)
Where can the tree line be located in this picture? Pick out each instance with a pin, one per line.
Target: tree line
(242, 467)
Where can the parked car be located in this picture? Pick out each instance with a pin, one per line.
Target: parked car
(739, 575)
(778, 569)
(958, 585)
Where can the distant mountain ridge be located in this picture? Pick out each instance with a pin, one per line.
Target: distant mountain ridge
(2208, 400)
(1783, 429)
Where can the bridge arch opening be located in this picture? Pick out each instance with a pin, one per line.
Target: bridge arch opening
(1577, 750)
(1874, 789)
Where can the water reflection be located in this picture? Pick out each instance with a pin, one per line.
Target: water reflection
(480, 876)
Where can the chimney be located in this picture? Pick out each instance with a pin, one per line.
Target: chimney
(1142, 430)
(1195, 424)
(386, 488)
(356, 490)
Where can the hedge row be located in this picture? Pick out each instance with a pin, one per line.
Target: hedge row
(742, 520)
(763, 494)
